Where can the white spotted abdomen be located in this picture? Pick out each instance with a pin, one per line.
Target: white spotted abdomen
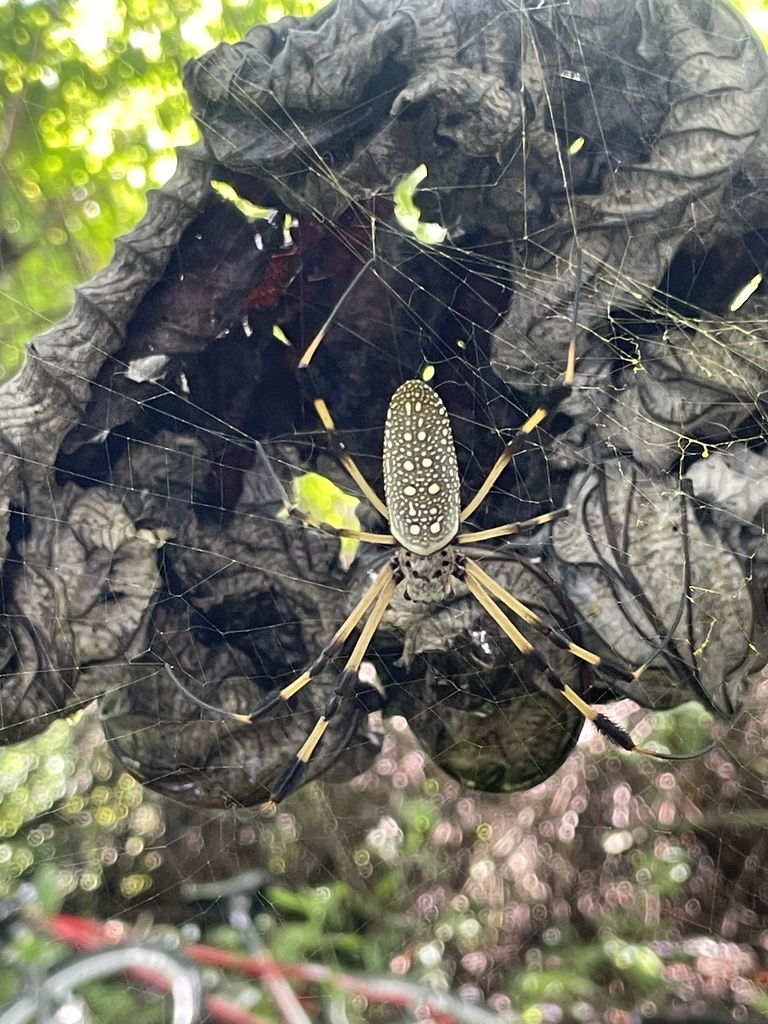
(421, 474)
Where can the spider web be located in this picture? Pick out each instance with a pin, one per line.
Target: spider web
(644, 880)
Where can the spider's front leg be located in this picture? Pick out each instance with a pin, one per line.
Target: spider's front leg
(293, 510)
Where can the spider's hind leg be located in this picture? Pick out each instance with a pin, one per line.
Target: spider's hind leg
(328, 653)
(488, 592)
(293, 774)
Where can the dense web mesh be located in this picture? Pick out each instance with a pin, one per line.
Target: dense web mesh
(599, 173)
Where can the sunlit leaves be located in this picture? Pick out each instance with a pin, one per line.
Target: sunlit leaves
(408, 213)
(756, 12)
(324, 500)
(91, 108)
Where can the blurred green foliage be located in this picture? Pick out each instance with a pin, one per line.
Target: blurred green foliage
(501, 897)
(63, 807)
(91, 108)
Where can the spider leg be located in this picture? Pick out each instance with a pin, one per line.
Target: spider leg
(347, 461)
(617, 735)
(527, 614)
(534, 420)
(292, 776)
(557, 637)
(480, 583)
(318, 338)
(498, 615)
(330, 651)
(337, 531)
(510, 529)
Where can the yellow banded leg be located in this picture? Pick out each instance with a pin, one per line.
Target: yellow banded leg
(528, 615)
(509, 529)
(295, 512)
(291, 777)
(536, 418)
(327, 654)
(617, 735)
(602, 723)
(347, 461)
(510, 629)
(314, 345)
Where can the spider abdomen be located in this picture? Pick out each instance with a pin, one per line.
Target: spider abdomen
(421, 474)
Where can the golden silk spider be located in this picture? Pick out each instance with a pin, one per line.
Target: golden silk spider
(423, 510)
